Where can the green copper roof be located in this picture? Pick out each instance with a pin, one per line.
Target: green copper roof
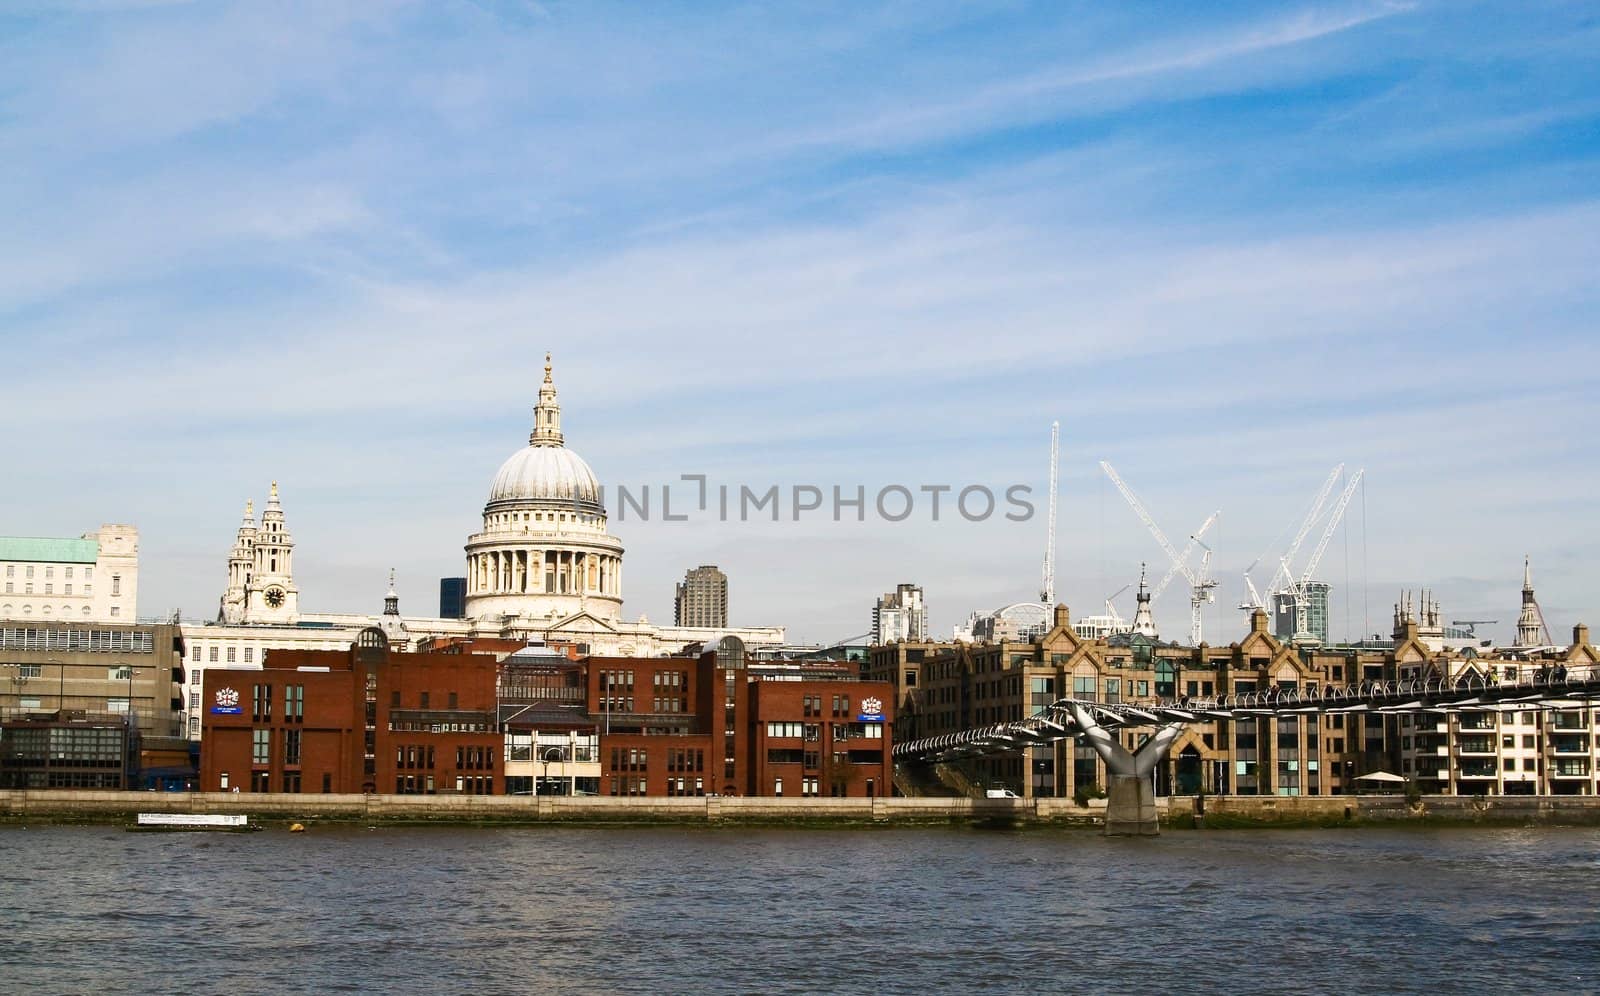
(48, 550)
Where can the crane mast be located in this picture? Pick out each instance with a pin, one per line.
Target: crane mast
(1299, 589)
(1047, 591)
(1200, 586)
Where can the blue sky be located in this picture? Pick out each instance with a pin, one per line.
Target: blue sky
(1228, 246)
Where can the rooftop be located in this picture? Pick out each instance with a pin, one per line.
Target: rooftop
(49, 550)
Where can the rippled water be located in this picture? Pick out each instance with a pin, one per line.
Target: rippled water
(778, 911)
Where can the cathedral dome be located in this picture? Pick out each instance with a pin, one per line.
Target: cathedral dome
(545, 472)
(548, 475)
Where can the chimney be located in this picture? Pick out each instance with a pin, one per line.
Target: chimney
(1580, 635)
(1063, 616)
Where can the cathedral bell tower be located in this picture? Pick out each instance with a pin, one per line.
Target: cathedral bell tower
(270, 594)
(241, 563)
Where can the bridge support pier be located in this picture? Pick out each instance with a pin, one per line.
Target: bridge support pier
(1131, 804)
(1131, 807)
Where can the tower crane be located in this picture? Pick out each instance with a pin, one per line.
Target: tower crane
(1117, 621)
(1200, 587)
(1047, 591)
(1299, 589)
(1283, 577)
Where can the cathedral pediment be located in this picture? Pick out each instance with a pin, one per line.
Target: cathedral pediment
(581, 622)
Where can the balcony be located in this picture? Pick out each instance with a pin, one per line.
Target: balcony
(1570, 743)
(1570, 769)
(1478, 769)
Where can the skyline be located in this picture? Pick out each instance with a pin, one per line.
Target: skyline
(842, 246)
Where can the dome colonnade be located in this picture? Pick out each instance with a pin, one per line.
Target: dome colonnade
(544, 552)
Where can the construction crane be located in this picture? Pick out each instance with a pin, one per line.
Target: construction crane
(1117, 622)
(1283, 577)
(1472, 625)
(1183, 556)
(1047, 591)
(1200, 587)
(1299, 590)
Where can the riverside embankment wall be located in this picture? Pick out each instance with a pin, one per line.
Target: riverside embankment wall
(1179, 812)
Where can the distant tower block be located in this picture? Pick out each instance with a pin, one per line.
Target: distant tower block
(701, 598)
(900, 616)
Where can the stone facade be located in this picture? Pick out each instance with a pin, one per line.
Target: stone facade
(94, 578)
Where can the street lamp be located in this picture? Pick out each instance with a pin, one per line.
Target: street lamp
(544, 758)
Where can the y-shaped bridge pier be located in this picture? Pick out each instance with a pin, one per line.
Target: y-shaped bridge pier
(1131, 807)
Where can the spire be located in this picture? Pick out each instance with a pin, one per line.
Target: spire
(1143, 621)
(547, 413)
(391, 601)
(1530, 623)
(250, 511)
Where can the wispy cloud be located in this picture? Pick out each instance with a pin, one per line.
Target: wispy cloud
(841, 242)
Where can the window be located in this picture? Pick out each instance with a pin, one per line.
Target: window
(29, 670)
(260, 746)
(194, 700)
(88, 590)
(232, 652)
(69, 574)
(68, 589)
(118, 705)
(194, 676)
(116, 585)
(291, 747)
(294, 701)
(777, 786)
(213, 655)
(49, 589)
(261, 703)
(249, 655)
(194, 727)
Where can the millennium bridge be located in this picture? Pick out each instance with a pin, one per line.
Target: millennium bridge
(1131, 807)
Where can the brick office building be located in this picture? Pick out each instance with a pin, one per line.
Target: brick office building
(362, 720)
(720, 722)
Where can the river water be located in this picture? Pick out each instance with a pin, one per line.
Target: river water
(665, 910)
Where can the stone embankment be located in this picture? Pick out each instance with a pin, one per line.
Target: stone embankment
(1214, 812)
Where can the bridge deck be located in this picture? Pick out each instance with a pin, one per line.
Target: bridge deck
(1546, 688)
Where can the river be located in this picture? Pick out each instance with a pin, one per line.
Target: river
(665, 910)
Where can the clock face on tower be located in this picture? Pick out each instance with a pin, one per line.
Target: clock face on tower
(274, 597)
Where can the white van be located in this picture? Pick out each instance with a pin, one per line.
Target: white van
(1000, 794)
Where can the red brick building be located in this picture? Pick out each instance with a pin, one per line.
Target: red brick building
(362, 720)
(720, 723)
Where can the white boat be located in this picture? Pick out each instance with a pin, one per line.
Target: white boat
(223, 822)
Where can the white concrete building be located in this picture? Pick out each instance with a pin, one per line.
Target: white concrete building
(900, 616)
(94, 578)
